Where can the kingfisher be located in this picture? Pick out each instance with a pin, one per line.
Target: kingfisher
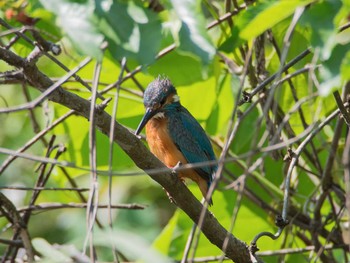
(174, 135)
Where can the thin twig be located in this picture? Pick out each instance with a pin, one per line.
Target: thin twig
(281, 223)
(20, 34)
(249, 96)
(93, 194)
(8, 210)
(110, 158)
(314, 160)
(327, 175)
(297, 153)
(46, 94)
(21, 188)
(344, 112)
(14, 243)
(53, 206)
(344, 27)
(293, 162)
(226, 16)
(37, 137)
(346, 163)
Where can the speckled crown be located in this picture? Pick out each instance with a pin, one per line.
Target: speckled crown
(158, 90)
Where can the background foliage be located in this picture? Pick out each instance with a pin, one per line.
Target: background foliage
(212, 51)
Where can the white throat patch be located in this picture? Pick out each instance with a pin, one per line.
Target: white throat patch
(159, 115)
(176, 98)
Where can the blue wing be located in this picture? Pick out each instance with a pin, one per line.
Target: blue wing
(191, 140)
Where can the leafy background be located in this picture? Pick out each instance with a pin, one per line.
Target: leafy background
(206, 60)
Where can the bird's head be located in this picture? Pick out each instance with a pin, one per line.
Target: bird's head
(159, 96)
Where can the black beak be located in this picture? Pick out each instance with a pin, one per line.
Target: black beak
(148, 115)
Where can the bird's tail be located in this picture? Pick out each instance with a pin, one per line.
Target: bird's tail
(210, 201)
(204, 187)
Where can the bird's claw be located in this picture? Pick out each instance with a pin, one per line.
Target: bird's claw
(173, 172)
(176, 167)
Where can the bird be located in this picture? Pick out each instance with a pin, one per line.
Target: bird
(174, 136)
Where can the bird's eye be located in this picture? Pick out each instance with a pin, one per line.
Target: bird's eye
(163, 101)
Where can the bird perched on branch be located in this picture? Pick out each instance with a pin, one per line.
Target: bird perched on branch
(174, 136)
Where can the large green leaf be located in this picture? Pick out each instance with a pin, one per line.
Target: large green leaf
(265, 15)
(345, 67)
(75, 21)
(299, 43)
(199, 98)
(182, 69)
(131, 245)
(222, 106)
(177, 235)
(131, 30)
(321, 16)
(164, 239)
(49, 252)
(330, 70)
(224, 201)
(259, 18)
(193, 36)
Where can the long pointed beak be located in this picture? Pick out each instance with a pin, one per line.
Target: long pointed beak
(148, 115)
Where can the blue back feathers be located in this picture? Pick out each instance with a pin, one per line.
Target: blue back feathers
(191, 140)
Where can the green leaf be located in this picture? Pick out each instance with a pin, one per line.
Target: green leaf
(199, 108)
(179, 233)
(345, 67)
(163, 241)
(49, 252)
(193, 36)
(131, 245)
(321, 16)
(299, 42)
(131, 30)
(179, 67)
(266, 15)
(75, 20)
(102, 143)
(222, 107)
(224, 202)
(232, 42)
(330, 71)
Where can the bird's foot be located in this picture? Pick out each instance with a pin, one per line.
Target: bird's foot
(174, 171)
(176, 167)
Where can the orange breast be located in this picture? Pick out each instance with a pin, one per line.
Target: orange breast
(162, 146)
